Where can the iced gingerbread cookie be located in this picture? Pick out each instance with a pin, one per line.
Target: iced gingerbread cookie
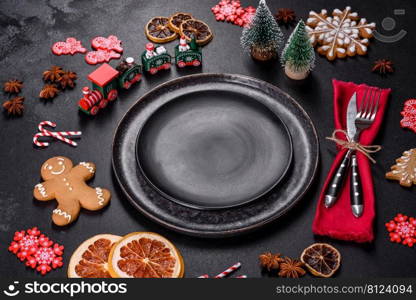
(340, 35)
(66, 184)
(404, 170)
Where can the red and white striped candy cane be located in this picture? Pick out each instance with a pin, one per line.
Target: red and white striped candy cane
(241, 276)
(230, 270)
(60, 135)
(204, 276)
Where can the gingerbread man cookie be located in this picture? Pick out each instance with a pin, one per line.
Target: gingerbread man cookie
(66, 184)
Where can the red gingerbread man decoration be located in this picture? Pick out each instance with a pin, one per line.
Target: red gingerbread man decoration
(66, 184)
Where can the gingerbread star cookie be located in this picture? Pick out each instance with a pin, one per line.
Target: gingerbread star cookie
(342, 34)
(66, 184)
(404, 170)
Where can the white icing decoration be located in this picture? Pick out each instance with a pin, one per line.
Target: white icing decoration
(42, 190)
(88, 166)
(100, 197)
(67, 216)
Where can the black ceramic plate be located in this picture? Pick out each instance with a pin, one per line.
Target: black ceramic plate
(218, 222)
(214, 149)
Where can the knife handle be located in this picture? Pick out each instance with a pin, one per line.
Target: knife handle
(335, 185)
(355, 189)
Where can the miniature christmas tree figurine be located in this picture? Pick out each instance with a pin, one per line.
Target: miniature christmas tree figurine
(263, 37)
(298, 56)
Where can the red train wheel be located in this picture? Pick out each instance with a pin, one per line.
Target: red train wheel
(196, 63)
(112, 95)
(103, 103)
(153, 71)
(181, 64)
(94, 110)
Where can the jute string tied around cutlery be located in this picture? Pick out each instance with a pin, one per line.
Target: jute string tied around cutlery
(353, 145)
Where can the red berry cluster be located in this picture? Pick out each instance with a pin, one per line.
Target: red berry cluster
(37, 250)
(402, 230)
(232, 12)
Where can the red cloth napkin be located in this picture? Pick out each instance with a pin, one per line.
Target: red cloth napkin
(338, 221)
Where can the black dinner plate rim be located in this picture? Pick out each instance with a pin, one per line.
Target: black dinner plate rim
(182, 202)
(229, 232)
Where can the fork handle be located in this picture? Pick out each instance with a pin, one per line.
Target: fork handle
(355, 189)
(335, 185)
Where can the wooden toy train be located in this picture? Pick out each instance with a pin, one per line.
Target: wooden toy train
(106, 81)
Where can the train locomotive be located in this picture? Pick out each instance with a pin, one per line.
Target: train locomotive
(106, 81)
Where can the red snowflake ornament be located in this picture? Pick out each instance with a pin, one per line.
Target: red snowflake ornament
(402, 230)
(409, 115)
(232, 11)
(70, 46)
(37, 250)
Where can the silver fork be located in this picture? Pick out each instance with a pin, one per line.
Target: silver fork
(365, 117)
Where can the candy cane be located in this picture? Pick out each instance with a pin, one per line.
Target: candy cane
(60, 135)
(230, 270)
(242, 276)
(204, 276)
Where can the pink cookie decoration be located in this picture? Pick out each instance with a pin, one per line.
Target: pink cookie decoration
(110, 43)
(70, 46)
(37, 250)
(100, 56)
(409, 115)
(402, 230)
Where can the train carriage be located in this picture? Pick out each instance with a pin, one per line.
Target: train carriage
(158, 59)
(190, 57)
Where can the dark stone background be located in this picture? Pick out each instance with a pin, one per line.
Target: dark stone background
(28, 30)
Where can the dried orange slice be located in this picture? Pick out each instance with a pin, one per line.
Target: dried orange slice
(197, 28)
(158, 31)
(145, 255)
(90, 259)
(322, 260)
(176, 20)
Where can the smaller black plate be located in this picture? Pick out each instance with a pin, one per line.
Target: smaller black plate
(214, 149)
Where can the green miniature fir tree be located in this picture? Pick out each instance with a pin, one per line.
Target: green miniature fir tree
(298, 54)
(263, 34)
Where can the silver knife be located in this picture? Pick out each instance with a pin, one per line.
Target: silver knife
(335, 186)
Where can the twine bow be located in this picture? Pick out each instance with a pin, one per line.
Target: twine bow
(353, 145)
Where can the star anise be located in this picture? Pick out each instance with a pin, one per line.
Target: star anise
(49, 91)
(14, 106)
(67, 79)
(285, 16)
(53, 74)
(13, 86)
(383, 66)
(291, 268)
(270, 261)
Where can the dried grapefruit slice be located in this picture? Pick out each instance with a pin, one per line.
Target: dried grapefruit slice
(158, 31)
(145, 255)
(176, 20)
(321, 259)
(197, 28)
(90, 259)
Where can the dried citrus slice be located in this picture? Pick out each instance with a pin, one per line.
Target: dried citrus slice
(90, 259)
(158, 31)
(176, 20)
(197, 28)
(145, 255)
(321, 259)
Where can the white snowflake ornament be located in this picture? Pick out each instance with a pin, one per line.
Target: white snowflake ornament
(340, 35)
